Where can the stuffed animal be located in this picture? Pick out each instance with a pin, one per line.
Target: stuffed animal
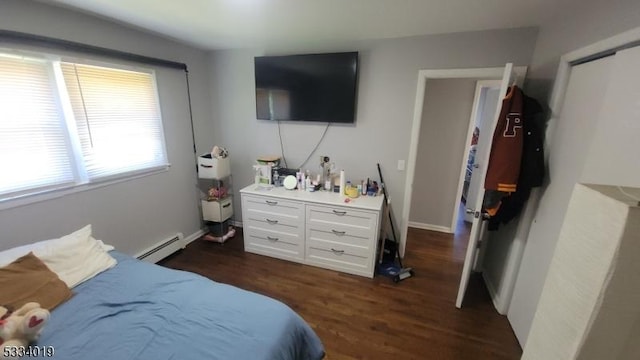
(219, 152)
(21, 327)
(216, 193)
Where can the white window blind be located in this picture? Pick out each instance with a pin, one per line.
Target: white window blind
(34, 148)
(65, 124)
(118, 120)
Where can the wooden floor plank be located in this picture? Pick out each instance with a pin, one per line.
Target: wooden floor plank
(360, 318)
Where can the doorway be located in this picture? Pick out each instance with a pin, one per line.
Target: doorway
(458, 160)
(442, 145)
(509, 76)
(452, 108)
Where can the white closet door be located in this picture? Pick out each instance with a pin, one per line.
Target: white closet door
(613, 156)
(574, 132)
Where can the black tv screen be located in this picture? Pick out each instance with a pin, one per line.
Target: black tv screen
(314, 87)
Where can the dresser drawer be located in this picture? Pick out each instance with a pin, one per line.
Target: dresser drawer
(269, 205)
(273, 223)
(344, 217)
(333, 234)
(293, 234)
(273, 220)
(340, 257)
(272, 243)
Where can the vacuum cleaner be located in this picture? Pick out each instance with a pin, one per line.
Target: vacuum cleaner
(390, 249)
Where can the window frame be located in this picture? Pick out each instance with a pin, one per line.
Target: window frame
(81, 181)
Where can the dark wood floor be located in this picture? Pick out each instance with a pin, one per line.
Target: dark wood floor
(361, 318)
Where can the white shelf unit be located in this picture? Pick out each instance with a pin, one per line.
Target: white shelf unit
(216, 172)
(313, 228)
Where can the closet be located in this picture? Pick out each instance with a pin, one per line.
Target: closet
(594, 141)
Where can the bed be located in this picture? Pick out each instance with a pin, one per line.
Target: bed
(138, 310)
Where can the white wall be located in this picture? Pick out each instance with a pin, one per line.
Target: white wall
(135, 214)
(443, 134)
(590, 22)
(388, 76)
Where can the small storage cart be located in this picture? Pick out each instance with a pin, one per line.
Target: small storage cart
(214, 173)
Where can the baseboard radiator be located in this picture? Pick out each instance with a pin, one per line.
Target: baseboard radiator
(163, 249)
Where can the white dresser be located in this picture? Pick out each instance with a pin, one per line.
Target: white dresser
(314, 228)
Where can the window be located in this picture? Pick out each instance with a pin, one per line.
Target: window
(64, 124)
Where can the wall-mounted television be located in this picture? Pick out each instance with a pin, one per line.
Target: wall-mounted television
(312, 87)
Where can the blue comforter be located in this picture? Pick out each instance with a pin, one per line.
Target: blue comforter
(138, 310)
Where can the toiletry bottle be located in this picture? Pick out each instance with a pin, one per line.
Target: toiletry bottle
(300, 177)
(256, 177)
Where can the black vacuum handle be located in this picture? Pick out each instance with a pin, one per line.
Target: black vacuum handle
(393, 228)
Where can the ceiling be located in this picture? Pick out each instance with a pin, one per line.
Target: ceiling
(223, 24)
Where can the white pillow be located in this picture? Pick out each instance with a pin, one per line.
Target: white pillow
(75, 258)
(10, 255)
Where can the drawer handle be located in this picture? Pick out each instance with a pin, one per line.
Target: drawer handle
(339, 213)
(271, 202)
(339, 252)
(226, 205)
(338, 232)
(272, 222)
(272, 238)
(206, 166)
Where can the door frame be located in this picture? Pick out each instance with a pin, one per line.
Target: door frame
(423, 76)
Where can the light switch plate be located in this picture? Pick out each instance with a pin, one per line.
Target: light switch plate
(401, 165)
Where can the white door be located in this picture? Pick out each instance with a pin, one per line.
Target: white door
(475, 204)
(485, 103)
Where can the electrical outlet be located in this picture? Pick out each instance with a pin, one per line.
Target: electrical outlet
(401, 165)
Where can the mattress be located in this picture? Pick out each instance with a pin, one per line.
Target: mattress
(138, 310)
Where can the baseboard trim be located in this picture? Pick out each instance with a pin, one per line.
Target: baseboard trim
(424, 226)
(195, 236)
(494, 295)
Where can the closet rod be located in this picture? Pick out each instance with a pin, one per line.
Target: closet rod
(48, 42)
